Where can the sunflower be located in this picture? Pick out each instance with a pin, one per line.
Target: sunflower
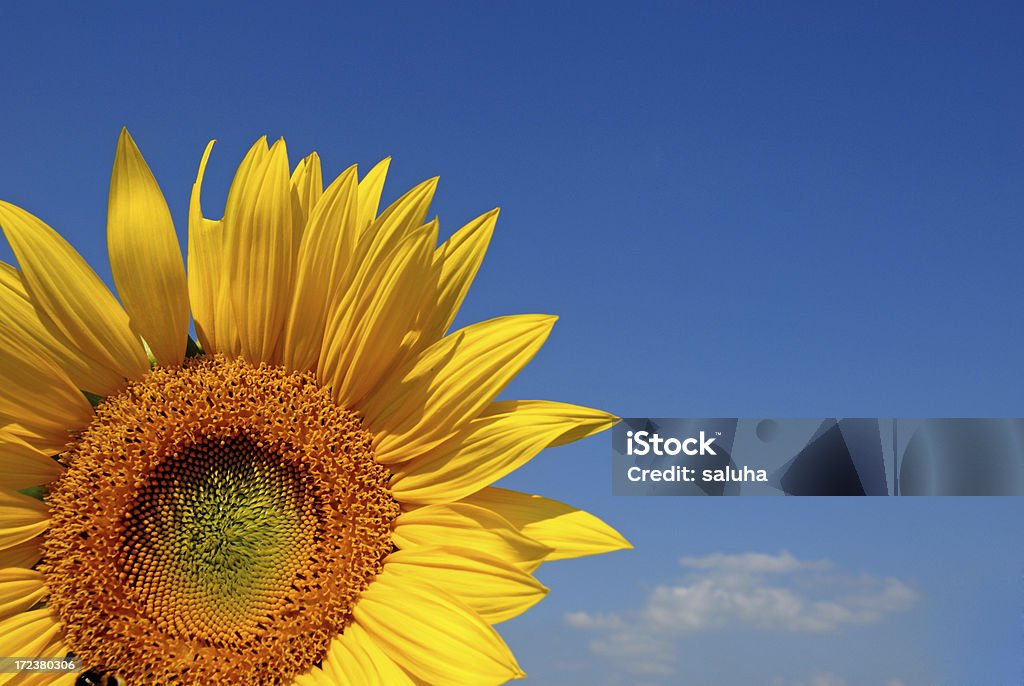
(301, 494)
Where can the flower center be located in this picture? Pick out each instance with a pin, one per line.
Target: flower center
(216, 524)
(213, 533)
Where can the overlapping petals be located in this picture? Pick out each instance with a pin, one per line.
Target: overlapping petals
(317, 280)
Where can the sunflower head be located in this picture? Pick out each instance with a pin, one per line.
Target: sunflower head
(301, 493)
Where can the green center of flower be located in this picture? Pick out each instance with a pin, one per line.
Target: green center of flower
(216, 524)
(216, 531)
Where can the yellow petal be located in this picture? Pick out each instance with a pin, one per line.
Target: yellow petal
(337, 668)
(490, 449)
(25, 554)
(307, 184)
(48, 678)
(30, 635)
(365, 337)
(340, 666)
(145, 258)
(506, 436)
(467, 526)
(354, 658)
(21, 519)
(253, 160)
(22, 465)
(579, 422)
(36, 394)
(570, 532)
(50, 442)
(458, 259)
(207, 285)
(370, 189)
(322, 270)
(19, 317)
(314, 677)
(376, 246)
(71, 300)
(495, 589)
(260, 253)
(20, 589)
(450, 384)
(433, 635)
(395, 223)
(380, 669)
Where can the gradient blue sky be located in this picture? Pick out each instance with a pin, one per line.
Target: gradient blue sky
(787, 209)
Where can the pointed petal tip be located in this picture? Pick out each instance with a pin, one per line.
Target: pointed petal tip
(127, 149)
(204, 160)
(608, 417)
(279, 154)
(279, 148)
(548, 319)
(260, 144)
(622, 541)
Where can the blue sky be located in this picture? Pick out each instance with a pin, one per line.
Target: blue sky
(784, 210)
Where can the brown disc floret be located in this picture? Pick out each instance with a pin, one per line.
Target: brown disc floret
(216, 524)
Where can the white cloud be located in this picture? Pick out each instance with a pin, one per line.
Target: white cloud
(753, 563)
(823, 679)
(583, 620)
(750, 591)
(644, 654)
(827, 680)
